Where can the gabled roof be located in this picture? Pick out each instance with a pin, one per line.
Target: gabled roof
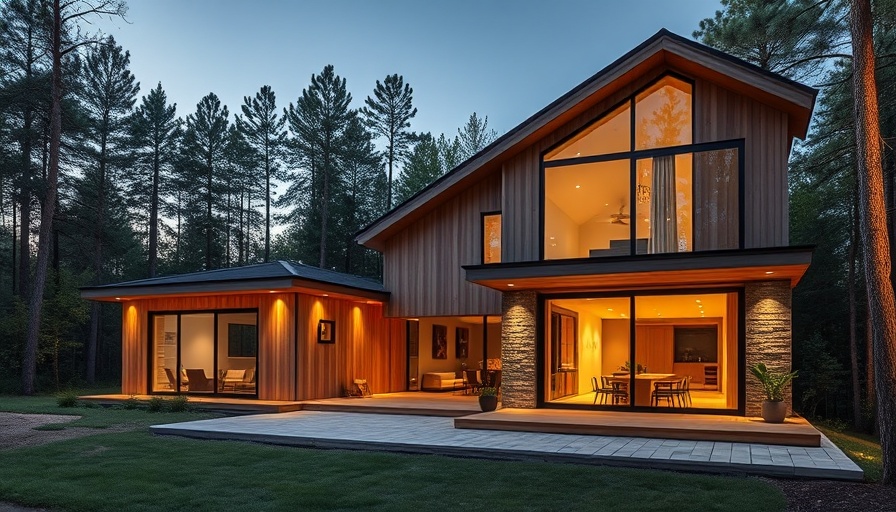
(276, 275)
(793, 98)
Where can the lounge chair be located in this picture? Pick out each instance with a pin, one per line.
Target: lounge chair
(172, 381)
(198, 380)
(248, 382)
(232, 378)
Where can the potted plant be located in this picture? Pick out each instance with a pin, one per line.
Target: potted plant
(488, 398)
(774, 408)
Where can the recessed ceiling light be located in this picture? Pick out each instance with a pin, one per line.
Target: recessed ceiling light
(579, 154)
(609, 309)
(698, 301)
(552, 238)
(326, 295)
(606, 204)
(622, 315)
(578, 186)
(117, 298)
(510, 285)
(273, 291)
(768, 272)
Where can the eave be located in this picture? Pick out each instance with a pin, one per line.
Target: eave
(246, 286)
(696, 269)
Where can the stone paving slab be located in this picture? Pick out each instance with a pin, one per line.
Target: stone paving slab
(437, 435)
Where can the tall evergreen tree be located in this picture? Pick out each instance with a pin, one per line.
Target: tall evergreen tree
(205, 140)
(474, 136)
(389, 115)
(265, 134)
(449, 152)
(107, 94)
(363, 183)
(423, 166)
(318, 122)
(155, 134)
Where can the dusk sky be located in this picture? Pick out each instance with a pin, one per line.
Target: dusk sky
(502, 59)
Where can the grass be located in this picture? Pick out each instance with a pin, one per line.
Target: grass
(863, 449)
(136, 470)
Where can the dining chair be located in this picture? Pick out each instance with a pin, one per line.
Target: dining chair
(663, 390)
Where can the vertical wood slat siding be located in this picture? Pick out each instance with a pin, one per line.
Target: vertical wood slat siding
(367, 345)
(720, 114)
(521, 185)
(423, 263)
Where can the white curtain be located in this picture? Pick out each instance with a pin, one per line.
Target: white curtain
(663, 214)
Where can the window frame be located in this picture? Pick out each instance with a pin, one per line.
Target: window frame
(634, 155)
(482, 217)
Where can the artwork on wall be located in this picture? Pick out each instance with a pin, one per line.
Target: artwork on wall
(439, 342)
(461, 343)
(326, 331)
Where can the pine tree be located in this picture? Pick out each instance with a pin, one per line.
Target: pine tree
(205, 140)
(265, 134)
(155, 133)
(108, 93)
(423, 166)
(389, 115)
(318, 122)
(474, 136)
(449, 152)
(363, 182)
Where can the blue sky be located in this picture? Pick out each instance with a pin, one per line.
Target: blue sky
(502, 59)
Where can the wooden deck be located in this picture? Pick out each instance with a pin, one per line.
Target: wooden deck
(701, 427)
(452, 404)
(226, 405)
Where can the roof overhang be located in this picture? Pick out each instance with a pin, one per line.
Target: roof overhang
(703, 269)
(664, 49)
(234, 287)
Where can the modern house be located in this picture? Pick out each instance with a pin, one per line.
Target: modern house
(631, 233)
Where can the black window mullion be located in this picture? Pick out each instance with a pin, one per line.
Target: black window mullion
(632, 365)
(215, 348)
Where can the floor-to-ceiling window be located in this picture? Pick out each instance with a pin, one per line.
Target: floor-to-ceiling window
(633, 182)
(653, 350)
(212, 352)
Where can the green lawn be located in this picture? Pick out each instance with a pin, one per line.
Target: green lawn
(138, 471)
(863, 449)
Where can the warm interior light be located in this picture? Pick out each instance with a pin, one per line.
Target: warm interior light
(326, 295)
(117, 298)
(698, 301)
(510, 285)
(578, 186)
(768, 272)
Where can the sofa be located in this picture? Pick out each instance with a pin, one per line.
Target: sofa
(439, 381)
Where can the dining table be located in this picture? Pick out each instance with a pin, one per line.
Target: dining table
(644, 383)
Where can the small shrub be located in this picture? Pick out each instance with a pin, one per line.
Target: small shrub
(67, 399)
(178, 404)
(156, 404)
(131, 403)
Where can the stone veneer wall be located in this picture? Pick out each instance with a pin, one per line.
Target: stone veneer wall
(518, 371)
(768, 331)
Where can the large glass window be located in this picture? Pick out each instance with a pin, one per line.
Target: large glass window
(665, 195)
(491, 238)
(685, 351)
(204, 353)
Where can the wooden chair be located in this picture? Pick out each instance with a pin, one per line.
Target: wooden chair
(198, 380)
(682, 391)
(663, 390)
(471, 377)
(602, 391)
(618, 389)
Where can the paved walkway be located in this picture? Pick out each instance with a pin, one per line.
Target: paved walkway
(426, 434)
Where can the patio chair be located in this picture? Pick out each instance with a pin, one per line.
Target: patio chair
(248, 382)
(198, 380)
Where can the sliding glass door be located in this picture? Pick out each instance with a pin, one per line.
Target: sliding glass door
(207, 353)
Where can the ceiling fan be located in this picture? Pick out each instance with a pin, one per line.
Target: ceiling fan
(620, 218)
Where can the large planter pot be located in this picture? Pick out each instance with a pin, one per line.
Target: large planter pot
(774, 412)
(488, 403)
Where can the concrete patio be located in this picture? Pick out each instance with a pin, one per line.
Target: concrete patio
(437, 435)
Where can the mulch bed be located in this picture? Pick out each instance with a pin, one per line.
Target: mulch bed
(831, 495)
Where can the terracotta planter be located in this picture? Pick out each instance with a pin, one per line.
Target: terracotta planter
(774, 412)
(488, 403)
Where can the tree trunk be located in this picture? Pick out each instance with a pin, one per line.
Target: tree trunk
(29, 362)
(873, 221)
(853, 341)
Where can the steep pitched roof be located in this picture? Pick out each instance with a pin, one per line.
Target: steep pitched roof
(277, 275)
(796, 99)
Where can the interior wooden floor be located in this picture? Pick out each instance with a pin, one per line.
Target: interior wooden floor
(701, 399)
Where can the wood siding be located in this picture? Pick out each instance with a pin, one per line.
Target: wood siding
(422, 268)
(367, 345)
(720, 114)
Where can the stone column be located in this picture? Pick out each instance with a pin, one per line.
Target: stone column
(518, 371)
(768, 319)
